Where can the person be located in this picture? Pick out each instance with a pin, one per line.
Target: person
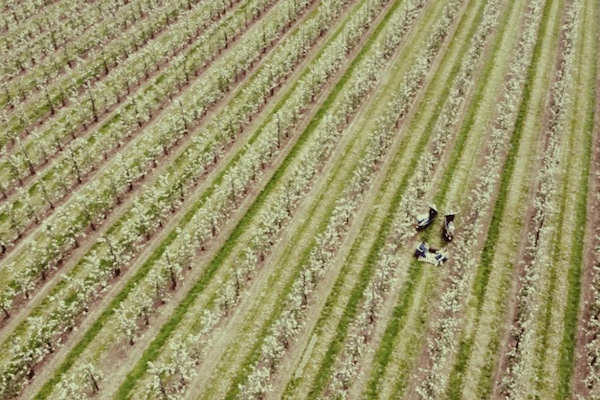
(422, 250)
(440, 257)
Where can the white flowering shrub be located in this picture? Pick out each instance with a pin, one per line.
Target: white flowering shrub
(519, 372)
(205, 224)
(82, 156)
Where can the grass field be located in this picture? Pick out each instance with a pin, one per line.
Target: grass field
(219, 199)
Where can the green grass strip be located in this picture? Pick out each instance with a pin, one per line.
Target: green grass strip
(56, 93)
(366, 272)
(483, 272)
(413, 341)
(456, 376)
(179, 161)
(385, 352)
(153, 349)
(567, 351)
(147, 87)
(46, 390)
(246, 366)
(489, 248)
(547, 303)
(234, 389)
(485, 385)
(396, 323)
(357, 292)
(335, 291)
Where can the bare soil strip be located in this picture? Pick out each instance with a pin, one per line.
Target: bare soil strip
(523, 155)
(295, 382)
(72, 258)
(127, 144)
(585, 374)
(452, 185)
(261, 278)
(556, 342)
(190, 279)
